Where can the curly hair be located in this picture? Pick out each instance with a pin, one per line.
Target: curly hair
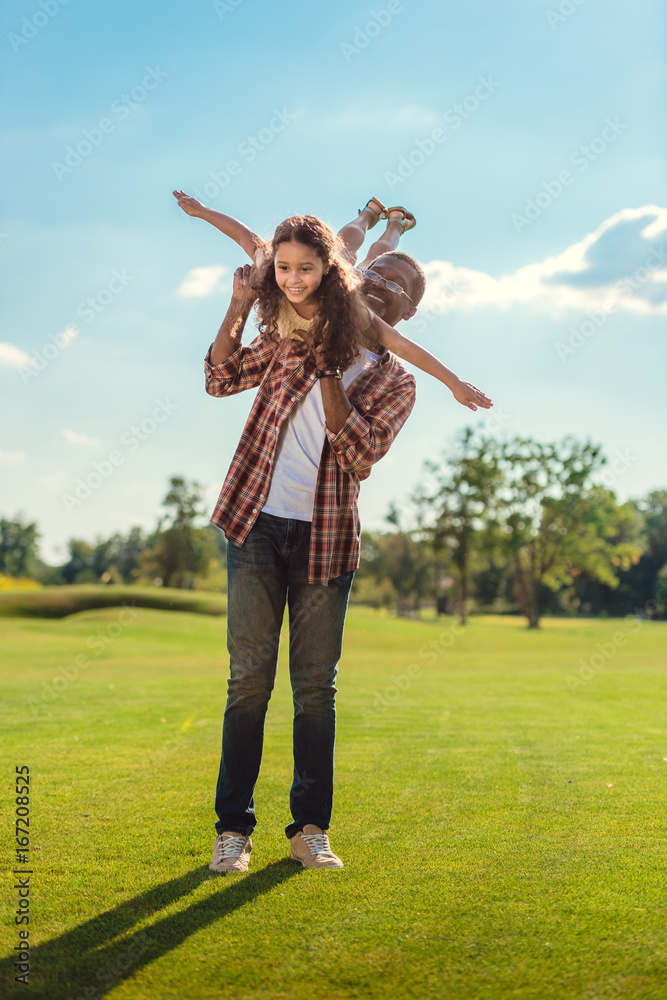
(341, 315)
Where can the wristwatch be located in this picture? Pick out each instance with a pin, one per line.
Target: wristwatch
(328, 373)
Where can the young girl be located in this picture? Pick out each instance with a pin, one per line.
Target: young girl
(295, 310)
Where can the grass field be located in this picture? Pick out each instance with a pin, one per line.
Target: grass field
(500, 809)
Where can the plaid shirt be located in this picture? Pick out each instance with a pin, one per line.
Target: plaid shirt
(382, 398)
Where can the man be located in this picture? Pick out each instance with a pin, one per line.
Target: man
(307, 563)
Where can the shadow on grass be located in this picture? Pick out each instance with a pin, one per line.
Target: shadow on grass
(86, 962)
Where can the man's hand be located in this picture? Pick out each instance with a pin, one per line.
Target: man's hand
(229, 335)
(470, 396)
(243, 294)
(189, 205)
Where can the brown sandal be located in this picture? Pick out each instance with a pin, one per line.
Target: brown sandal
(407, 218)
(382, 214)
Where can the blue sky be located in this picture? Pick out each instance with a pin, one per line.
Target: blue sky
(102, 354)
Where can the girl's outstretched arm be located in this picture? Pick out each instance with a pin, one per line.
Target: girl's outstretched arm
(237, 231)
(466, 393)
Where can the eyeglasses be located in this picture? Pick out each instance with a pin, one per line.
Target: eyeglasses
(393, 286)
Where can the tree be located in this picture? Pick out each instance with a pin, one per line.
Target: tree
(557, 525)
(125, 553)
(114, 559)
(180, 550)
(639, 585)
(394, 569)
(458, 511)
(79, 567)
(18, 546)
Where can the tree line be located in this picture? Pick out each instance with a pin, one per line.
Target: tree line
(520, 526)
(492, 526)
(177, 553)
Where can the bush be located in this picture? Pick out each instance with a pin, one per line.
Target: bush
(58, 602)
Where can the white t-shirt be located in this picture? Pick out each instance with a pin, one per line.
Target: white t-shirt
(297, 462)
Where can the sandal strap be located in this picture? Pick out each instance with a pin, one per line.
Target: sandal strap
(382, 214)
(408, 221)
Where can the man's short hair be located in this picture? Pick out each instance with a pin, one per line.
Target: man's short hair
(419, 281)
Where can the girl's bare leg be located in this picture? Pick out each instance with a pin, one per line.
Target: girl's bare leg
(396, 226)
(354, 233)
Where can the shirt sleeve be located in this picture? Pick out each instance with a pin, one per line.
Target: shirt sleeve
(244, 369)
(364, 440)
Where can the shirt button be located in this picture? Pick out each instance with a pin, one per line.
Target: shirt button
(255, 510)
(261, 496)
(293, 398)
(368, 406)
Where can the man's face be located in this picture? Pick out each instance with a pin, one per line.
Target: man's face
(392, 307)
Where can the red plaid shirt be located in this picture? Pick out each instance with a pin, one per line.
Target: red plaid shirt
(382, 398)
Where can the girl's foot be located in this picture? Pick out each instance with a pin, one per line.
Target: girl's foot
(376, 210)
(401, 215)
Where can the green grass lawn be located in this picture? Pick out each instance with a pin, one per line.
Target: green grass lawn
(500, 814)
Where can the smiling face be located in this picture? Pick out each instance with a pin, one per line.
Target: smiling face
(392, 307)
(299, 272)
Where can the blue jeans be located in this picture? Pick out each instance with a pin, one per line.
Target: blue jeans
(271, 567)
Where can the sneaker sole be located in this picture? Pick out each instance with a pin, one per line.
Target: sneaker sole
(227, 871)
(304, 865)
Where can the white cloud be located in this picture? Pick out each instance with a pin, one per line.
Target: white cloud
(201, 281)
(66, 336)
(624, 260)
(12, 457)
(12, 356)
(74, 437)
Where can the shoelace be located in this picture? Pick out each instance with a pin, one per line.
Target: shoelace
(318, 843)
(230, 847)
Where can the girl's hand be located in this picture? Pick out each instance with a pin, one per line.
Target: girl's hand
(189, 205)
(470, 396)
(243, 293)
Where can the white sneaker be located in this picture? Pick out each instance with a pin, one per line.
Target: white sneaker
(231, 853)
(312, 848)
